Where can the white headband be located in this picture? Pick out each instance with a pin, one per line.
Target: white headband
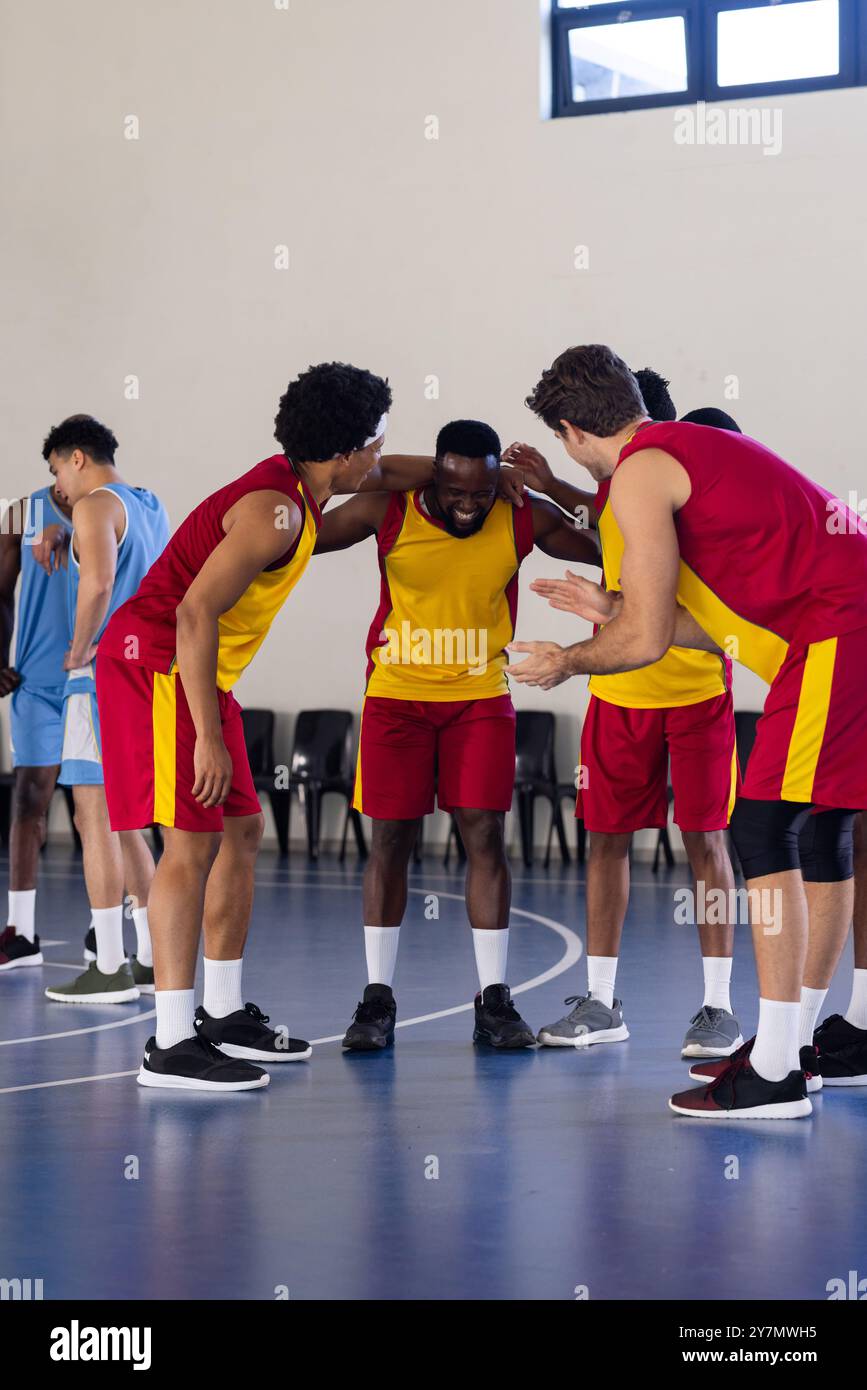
(380, 429)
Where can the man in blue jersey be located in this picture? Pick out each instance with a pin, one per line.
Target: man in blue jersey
(118, 532)
(36, 708)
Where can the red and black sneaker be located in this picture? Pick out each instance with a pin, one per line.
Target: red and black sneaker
(739, 1093)
(842, 1051)
(809, 1058)
(16, 950)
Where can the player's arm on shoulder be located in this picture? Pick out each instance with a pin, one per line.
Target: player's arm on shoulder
(98, 520)
(351, 522)
(397, 473)
(557, 535)
(11, 527)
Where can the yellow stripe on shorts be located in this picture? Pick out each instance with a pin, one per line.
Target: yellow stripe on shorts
(810, 721)
(356, 798)
(165, 748)
(733, 791)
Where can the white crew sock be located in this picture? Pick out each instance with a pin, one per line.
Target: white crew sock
(22, 911)
(601, 974)
(143, 950)
(222, 987)
(717, 982)
(856, 1014)
(811, 1002)
(775, 1050)
(175, 1015)
(108, 925)
(380, 950)
(492, 952)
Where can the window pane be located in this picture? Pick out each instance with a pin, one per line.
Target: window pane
(779, 44)
(639, 58)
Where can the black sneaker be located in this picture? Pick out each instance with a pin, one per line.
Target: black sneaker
(372, 1026)
(194, 1065)
(244, 1034)
(16, 950)
(739, 1093)
(842, 1052)
(498, 1023)
(90, 946)
(808, 1057)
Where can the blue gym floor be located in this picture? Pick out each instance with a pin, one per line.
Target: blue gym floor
(557, 1169)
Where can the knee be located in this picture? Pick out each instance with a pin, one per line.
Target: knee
(609, 847)
(827, 847)
(765, 835)
(250, 837)
(392, 843)
(482, 834)
(196, 850)
(705, 848)
(31, 800)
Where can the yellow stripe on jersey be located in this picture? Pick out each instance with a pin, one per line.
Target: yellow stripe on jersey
(733, 793)
(810, 721)
(245, 626)
(682, 677)
(756, 647)
(164, 713)
(450, 619)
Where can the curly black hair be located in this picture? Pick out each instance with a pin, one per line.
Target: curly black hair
(470, 438)
(328, 410)
(81, 432)
(715, 418)
(655, 393)
(591, 388)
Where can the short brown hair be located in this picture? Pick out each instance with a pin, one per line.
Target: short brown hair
(590, 387)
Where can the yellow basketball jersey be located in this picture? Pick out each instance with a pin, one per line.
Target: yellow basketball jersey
(682, 677)
(448, 604)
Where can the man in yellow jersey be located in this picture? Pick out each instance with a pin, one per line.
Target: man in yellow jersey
(678, 712)
(437, 715)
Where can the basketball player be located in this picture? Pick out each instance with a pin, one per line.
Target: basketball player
(118, 530)
(677, 711)
(174, 745)
(437, 715)
(36, 709)
(726, 545)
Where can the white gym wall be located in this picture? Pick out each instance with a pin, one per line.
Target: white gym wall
(309, 126)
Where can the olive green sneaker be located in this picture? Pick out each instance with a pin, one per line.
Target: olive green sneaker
(95, 988)
(143, 975)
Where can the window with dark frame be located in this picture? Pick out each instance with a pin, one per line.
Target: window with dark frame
(647, 53)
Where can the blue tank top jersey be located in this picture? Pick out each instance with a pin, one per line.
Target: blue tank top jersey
(42, 626)
(144, 538)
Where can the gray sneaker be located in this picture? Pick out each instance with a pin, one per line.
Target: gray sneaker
(712, 1033)
(589, 1022)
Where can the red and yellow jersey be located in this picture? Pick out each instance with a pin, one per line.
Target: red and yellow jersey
(448, 605)
(682, 676)
(144, 628)
(769, 560)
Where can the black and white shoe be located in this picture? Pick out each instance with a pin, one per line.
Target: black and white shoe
(245, 1034)
(16, 950)
(90, 946)
(194, 1065)
(739, 1093)
(498, 1023)
(372, 1026)
(842, 1052)
(808, 1057)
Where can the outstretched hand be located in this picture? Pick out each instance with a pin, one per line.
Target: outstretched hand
(575, 594)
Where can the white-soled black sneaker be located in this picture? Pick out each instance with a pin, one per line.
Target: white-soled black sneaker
(195, 1065)
(17, 950)
(245, 1034)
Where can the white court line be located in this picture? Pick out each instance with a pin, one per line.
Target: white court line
(76, 1032)
(570, 957)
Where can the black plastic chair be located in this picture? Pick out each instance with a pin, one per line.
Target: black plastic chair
(259, 739)
(322, 762)
(566, 791)
(663, 842)
(535, 776)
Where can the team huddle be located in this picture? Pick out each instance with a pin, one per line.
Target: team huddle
(711, 549)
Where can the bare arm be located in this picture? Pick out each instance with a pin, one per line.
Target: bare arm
(352, 522)
(10, 568)
(645, 493)
(397, 473)
(537, 474)
(252, 542)
(557, 535)
(97, 519)
(575, 594)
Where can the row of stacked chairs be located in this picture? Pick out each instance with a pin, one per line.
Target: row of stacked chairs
(322, 763)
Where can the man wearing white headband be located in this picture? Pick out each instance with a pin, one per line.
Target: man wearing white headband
(173, 742)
